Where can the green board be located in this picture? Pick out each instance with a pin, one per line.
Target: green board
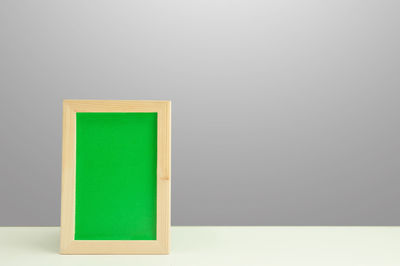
(116, 176)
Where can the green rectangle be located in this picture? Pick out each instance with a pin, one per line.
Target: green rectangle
(116, 176)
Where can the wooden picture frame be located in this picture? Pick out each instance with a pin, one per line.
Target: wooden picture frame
(68, 244)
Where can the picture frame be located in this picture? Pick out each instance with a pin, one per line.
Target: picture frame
(68, 243)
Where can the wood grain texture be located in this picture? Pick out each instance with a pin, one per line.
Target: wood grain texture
(159, 246)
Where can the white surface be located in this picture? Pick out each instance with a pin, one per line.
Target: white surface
(275, 246)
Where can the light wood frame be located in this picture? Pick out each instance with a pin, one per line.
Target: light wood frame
(68, 245)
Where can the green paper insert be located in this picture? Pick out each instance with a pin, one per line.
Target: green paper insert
(116, 176)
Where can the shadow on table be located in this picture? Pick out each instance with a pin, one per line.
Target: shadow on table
(35, 239)
(50, 241)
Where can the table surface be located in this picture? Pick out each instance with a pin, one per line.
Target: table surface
(213, 245)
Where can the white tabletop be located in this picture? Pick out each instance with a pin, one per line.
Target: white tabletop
(244, 246)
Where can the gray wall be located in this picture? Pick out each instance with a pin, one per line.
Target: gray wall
(285, 112)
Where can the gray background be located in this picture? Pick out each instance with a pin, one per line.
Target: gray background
(285, 112)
